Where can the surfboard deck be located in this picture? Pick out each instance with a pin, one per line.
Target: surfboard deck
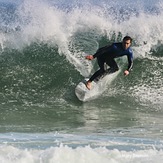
(98, 87)
(82, 92)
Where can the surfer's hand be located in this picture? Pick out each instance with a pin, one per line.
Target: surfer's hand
(89, 57)
(126, 72)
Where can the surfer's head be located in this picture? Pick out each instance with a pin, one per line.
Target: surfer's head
(127, 40)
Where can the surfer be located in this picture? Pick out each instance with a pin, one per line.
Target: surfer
(108, 54)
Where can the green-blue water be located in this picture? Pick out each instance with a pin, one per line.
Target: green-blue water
(42, 49)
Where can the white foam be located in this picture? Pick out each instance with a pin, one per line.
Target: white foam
(145, 93)
(43, 21)
(65, 154)
(63, 148)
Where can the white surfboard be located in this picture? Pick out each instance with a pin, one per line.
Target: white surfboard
(84, 94)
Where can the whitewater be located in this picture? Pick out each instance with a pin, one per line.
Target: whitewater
(43, 44)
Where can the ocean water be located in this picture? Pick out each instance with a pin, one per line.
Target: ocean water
(42, 49)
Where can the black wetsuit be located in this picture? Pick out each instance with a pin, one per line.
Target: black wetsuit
(107, 54)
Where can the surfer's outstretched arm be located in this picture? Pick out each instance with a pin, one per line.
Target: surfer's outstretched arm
(130, 63)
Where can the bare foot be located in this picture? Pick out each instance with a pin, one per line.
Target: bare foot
(88, 84)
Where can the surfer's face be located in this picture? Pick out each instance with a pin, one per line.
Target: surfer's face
(126, 44)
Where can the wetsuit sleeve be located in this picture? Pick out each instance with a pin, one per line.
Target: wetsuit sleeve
(130, 61)
(102, 50)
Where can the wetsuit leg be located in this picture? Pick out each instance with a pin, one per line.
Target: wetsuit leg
(112, 64)
(100, 71)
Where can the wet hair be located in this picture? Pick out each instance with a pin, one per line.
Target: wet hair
(127, 38)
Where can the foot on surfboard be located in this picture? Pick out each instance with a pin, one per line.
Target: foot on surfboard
(88, 85)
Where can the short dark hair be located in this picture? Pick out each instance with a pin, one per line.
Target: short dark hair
(127, 38)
